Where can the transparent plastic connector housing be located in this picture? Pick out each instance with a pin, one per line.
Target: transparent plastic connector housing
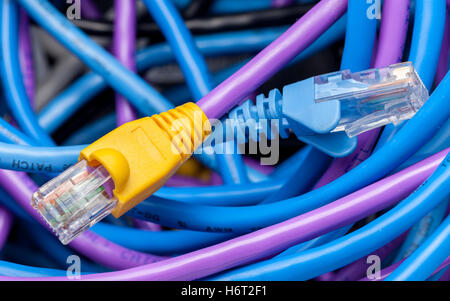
(372, 98)
(75, 200)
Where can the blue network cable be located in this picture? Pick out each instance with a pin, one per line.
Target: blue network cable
(426, 45)
(421, 264)
(359, 243)
(425, 50)
(11, 75)
(439, 142)
(146, 99)
(160, 242)
(18, 270)
(422, 230)
(10, 134)
(233, 209)
(182, 44)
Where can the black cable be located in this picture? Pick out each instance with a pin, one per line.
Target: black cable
(197, 8)
(230, 22)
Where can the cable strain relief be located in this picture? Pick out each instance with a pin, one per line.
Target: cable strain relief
(249, 120)
(187, 127)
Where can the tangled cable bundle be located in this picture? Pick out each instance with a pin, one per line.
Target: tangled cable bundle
(247, 140)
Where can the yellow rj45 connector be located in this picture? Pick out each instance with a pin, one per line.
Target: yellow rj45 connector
(120, 170)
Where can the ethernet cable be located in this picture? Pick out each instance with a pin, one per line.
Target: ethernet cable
(427, 257)
(25, 55)
(353, 60)
(5, 225)
(358, 269)
(14, 89)
(260, 68)
(358, 60)
(91, 84)
(226, 255)
(115, 164)
(95, 247)
(134, 198)
(388, 271)
(130, 85)
(420, 232)
(405, 181)
(196, 73)
(425, 46)
(429, 24)
(132, 194)
(206, 25)
(124, 48)
(407, 147)
(356, 244)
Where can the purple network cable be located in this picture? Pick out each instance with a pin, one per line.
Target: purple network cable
(384, 273)
(446, 276)
(26, 55)
(392, 38)
(124, 48)
(273, 239)
(443, 59)
(394, 27)
(89, 10)
(6, 219)
(272, 58)
(91, 245)
(281, 3)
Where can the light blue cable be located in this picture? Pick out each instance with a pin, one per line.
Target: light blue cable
(143, 97)
(19, 270)
(427, 258)
(11, 75)
(439, 142)
(160, 242)
(38, 159)
(9, 134)
(357, 56)
(344, 250)
(303, 177)
(423, 229)
(189, 59)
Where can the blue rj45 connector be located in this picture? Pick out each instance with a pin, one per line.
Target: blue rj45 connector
(329, 111)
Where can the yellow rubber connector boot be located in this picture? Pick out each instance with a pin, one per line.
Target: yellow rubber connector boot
(141, 155)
